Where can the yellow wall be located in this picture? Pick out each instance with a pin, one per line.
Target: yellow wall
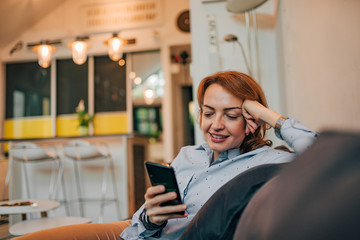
(34, 127)
(40, 127)
(110, 123)
(104, 123)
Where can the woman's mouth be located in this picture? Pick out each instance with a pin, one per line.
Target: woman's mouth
(218, 138)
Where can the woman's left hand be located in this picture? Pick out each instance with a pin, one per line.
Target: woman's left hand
(256, 114)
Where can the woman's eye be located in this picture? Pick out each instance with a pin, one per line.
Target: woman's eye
(208, 114)
(231, 117)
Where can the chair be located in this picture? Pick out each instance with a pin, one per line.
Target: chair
(28, 153)
(80, 151)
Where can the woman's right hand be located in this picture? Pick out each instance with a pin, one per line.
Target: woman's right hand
(157, 214)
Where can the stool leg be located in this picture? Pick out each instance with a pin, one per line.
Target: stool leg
(8, 175)
(116, 196)
(26, 180)
(103, 189)
(61, 182)
(77, 179)
(52, 186)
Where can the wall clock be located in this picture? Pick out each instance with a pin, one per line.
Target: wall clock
(183, 21)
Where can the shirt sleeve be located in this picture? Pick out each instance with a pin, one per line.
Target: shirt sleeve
(137, 230)
(297, 135)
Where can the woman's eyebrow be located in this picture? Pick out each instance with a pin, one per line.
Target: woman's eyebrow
(207, 106)
(225, 109)
(232, 108)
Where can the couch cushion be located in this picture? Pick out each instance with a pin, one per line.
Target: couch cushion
(218, 217)
(315, 197)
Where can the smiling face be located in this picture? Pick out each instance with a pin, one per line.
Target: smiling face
(222, 124)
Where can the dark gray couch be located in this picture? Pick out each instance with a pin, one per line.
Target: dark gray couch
(317, 196)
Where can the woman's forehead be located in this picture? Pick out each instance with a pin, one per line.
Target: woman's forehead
(215, 94)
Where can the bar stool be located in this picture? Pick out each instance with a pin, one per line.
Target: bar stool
(26, 153)
(79, 151)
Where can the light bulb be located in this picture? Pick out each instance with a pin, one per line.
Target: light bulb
(132, 75)
(44, 52)
(138, 81)
(79, 48)
(115, 48)
(149, 96)
(121, 62)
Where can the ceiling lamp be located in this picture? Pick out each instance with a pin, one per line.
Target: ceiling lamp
(149, 96)
(237, 6)
(115, 47)
(79, 48)
(44, 51)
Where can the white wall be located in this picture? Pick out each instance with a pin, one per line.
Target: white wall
(321, 54)
(310, 57)
(228, 56)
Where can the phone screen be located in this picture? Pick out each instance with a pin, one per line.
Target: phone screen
(164, 175)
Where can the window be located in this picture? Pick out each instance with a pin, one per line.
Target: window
(147, 75)
(147, 91)
(71, 87)
(27, 90)
(147, 121)
(28, 94)
(110, 85)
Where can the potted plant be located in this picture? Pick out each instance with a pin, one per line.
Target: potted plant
(84, 118)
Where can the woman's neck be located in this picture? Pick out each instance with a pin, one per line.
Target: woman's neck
(215, 156)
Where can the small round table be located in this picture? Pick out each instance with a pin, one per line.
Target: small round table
(40, 205)
(29, 226)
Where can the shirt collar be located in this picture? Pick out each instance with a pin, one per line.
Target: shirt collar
(231, 153)
(227, 154)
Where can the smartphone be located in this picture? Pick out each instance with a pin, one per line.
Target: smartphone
(160, 174)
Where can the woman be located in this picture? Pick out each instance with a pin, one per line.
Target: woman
(233, 118)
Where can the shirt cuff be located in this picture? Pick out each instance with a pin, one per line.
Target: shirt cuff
(144, 218)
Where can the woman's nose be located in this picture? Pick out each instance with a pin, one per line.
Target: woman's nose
(218, 122)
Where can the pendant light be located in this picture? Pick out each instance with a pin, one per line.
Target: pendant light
(79, 48)
(149, 96)
(44, 51)
(115, 47)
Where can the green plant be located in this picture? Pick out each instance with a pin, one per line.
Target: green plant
(84, 117)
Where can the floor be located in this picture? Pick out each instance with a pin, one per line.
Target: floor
(4, 223)
(4, 228)
(4, 163)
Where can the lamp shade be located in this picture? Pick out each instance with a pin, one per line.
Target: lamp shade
(79, 49)
(115, 45)
(240, 6)
(44, 52)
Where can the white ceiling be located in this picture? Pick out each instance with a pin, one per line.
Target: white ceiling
(18, 15)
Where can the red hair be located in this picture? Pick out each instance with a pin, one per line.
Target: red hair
(243, 87)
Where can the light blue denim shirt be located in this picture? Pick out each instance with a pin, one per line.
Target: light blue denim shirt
(198, 179)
